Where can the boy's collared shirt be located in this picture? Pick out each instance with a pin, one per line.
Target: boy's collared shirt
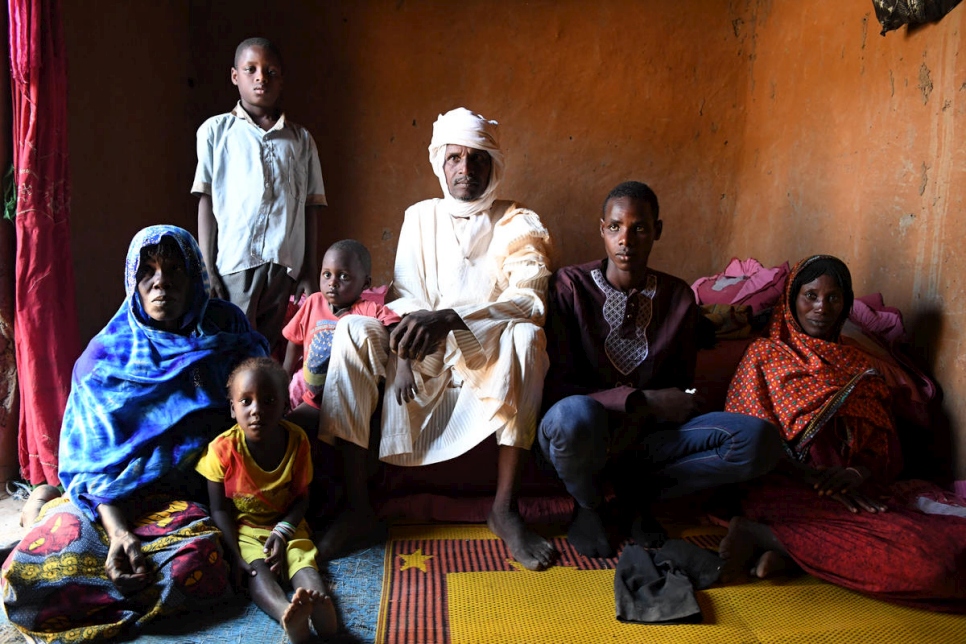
(260, 183)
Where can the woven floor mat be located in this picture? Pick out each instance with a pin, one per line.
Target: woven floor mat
(458, 584)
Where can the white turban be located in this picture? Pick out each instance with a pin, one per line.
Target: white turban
(463, 127)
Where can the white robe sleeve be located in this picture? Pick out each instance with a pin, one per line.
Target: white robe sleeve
(411, 279)
(520, 250)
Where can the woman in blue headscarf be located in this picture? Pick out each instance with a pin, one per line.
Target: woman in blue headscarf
(128, 543)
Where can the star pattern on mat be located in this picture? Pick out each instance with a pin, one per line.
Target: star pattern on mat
(414, 560)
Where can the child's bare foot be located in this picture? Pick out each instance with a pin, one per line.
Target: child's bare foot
(323, 614)
(587, 533)
(530, 549)
(295, 619)
(770, 563)
(351, 524)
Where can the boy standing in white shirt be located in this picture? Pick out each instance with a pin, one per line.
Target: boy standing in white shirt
(260, 187)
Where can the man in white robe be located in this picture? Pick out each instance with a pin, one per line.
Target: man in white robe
(471, 278)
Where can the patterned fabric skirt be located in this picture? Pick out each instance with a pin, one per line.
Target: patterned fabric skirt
(55, 588)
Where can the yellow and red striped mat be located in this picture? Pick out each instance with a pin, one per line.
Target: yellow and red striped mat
(457, 584)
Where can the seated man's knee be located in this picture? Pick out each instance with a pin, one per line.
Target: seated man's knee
(764, 444)
(359, 328)
(530, 350)
(575, 422)
(528, 337)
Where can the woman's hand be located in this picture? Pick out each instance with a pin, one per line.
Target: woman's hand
(855, 501)
(842, 484)
(275, 554)
(827, 481)
(126, 566)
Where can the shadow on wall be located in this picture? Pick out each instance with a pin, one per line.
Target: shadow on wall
(929, 455)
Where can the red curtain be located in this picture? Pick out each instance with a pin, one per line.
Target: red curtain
(45, 327)
(9, 394)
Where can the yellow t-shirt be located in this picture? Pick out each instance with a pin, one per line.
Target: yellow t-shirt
(261, 498)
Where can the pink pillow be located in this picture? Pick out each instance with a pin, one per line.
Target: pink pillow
(376, 294)
(744, 282)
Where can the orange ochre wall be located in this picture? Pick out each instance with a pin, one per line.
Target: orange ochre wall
(770, 129)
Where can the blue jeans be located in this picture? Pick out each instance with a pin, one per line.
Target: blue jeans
(705, 452)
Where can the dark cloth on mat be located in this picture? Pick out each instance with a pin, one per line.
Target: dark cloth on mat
(652, 594)
(702, 567)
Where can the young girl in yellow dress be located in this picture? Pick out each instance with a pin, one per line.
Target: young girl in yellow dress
(258, 480)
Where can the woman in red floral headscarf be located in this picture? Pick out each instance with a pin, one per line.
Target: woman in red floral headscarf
(827, 510)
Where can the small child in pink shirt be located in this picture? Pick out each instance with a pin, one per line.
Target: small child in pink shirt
(346, 269)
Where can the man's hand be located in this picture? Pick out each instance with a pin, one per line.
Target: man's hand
(671, 405)
(126, 566)
(421, 333)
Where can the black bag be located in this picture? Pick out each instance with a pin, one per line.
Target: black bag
(892, 14)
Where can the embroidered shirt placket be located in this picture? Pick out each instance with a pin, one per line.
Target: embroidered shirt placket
(628, 315)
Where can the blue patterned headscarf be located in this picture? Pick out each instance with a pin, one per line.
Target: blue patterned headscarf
(138, 393)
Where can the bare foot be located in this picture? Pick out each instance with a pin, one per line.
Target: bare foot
(739, 546)
(530, 549)
(323, 614)
(587, 533)
(295, 619)
(770, 563)
(351, 524)
(37, 499)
